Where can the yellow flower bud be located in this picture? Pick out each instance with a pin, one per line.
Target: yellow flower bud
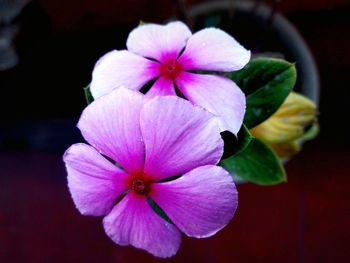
(287, 149)
(284, 130)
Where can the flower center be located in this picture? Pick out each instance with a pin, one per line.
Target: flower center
(139, 186)
(170, 68)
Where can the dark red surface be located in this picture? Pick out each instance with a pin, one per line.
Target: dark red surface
(304, 220)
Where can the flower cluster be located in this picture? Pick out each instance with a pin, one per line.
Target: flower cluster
(169, 54)
(159, 150)
(153, 165)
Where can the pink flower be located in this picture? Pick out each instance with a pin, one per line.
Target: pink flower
(166, 149)
(168, 54)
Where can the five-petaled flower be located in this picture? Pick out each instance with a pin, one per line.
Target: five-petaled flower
(170, 55)
(163, 149)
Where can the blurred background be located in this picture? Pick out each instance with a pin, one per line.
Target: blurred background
(47, 52)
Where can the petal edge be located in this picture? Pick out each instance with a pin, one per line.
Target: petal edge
(112, 125)
(178, 137)
(133, 222)
(93, 181)
(158, 41)
(200, 203)
(215, 50)
(121, 68)
(217, 94)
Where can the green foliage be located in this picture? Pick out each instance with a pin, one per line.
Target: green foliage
(233, 144)
(256, 163)
(266, 83)
(88, 95)
(243, 137)
(311, 133)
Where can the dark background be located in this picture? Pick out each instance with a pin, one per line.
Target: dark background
(304, 220)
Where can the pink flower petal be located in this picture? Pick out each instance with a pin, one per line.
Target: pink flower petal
(217, 94)
(94, 182)
(213, 49)
(178, 137)
(111, 125)
(133, 222)
(121, 68)
(157, 41)
(200, 203)
(162, 87)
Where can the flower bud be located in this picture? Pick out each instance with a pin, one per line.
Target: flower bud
(285, 129)
(289, 122)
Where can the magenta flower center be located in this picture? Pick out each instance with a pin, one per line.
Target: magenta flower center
(139, 185)
(170, 68)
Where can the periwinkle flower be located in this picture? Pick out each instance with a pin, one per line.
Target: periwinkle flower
(163, 149)
(170, 55)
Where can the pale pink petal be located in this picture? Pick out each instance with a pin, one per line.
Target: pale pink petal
(162, 87)
(121, 68)
(159, 42)
(178, 137)
(213, 49)
(199, 203)
(217, 94)
(133, 222)
(112, 125)
(94, 182)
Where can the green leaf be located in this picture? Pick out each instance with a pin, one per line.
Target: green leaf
(88, 95)
(212, 21)
(244, 138)
(311, 133)
(235, 145)
(266, 83)
(257, 163)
